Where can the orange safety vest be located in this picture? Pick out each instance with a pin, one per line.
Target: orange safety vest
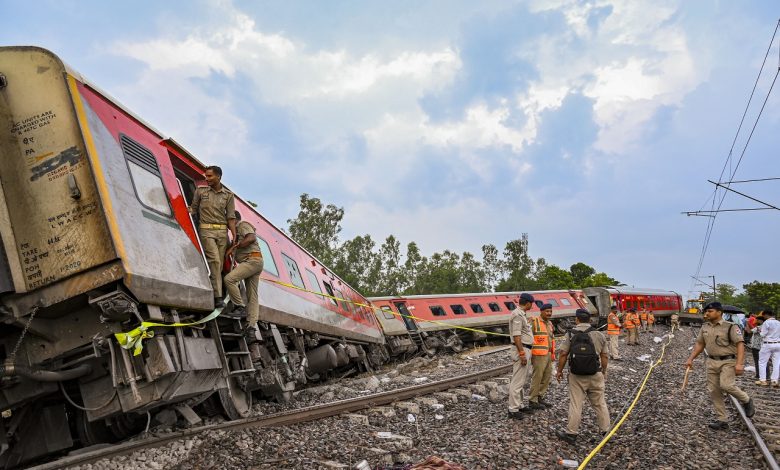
(613, 328)
(643, 316)
(544, 343)
(630, 321)
(650, 318)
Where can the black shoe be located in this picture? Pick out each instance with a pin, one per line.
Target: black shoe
(250, 333)
(545, 404)
(566, 437)
(717, 425)
(237, 313)
(219, 302)
(535, 406)
(515, 415)
(750, 408)
(526, 410)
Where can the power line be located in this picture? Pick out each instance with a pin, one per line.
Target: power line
(750, 181)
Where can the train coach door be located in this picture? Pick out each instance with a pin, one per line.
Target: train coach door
(411, 325)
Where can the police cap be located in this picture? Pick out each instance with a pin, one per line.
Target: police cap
(545, 307)
(524, 297)
(582, 314)
(714, 306)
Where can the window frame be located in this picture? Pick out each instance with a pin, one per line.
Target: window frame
(315, 283)
(331, 292)
(460, 310)
(478, 306)
(439, 308)
(491, 304)
(567, 303)
(129, 158)
(552, 302)
(287, 258)
(263, 243)
(510, 305)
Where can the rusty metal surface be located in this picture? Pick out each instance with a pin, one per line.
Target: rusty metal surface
(281, 419)
(48, 234)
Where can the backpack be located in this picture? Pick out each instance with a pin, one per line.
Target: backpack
(583, 359)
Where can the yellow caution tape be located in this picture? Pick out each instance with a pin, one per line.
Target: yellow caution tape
(630, 408)
(134, 339)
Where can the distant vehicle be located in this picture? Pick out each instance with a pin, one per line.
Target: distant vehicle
(663, 303)
(409, 322)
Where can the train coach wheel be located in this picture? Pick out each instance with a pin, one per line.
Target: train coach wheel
(96, 432)
(236, 402)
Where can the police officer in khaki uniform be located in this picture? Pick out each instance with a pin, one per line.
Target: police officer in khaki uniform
(726, 359)
(520, 332)
(675, 321)
(581, 386)
(249, 265)
(216, 208)
(542, 357)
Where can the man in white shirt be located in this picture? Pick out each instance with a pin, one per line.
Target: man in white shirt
(770, 348)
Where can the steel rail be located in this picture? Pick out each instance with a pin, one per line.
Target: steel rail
(299, 415)
(768, 456)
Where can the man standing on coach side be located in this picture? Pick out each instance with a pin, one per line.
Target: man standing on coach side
(613, 332)
(250, 264)
(542, 357)
(216, 209)
(586, 350)
(726, 350)
(520, 332)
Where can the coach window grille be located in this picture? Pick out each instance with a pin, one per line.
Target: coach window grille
(494, 307)
(146, 177)
(510, 305)
(476, 308)
(458, 309)
(437, 311)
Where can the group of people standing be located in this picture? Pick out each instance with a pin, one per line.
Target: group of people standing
(585, 350)
(632, 322)
(762, 334)
(215, 209)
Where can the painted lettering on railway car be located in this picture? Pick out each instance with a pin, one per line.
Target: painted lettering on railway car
(32, 123)
(71, 156)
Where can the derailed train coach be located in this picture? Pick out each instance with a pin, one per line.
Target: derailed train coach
(448, 321)
(96, 239)
(662, 303)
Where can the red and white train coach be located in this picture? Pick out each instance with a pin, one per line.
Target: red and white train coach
(662, 303)
(449, 320)
(96, 238)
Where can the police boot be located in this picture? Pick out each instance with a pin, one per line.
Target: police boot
(535, 406)
(250, 333)
(515, 415)
(718, 425)
(566, 437)
(545, 404)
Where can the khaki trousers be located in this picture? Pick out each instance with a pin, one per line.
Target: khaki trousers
(214, 244)
(614, 341)
(721, 378)
(650, 327)
(540, 380)
(633, 335)
(517, 384)
(592, 387)
(248, 270)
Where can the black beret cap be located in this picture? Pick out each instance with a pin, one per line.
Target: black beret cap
(545, 307)
(714, 306)
(526, 297)
(582, 314)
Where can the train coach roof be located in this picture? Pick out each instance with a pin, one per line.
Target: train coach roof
(478, 294)
(639, 291)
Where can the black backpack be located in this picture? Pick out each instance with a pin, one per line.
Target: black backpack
(583, 359)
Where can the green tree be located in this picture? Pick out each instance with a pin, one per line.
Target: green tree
(358, 264)
(392, 276)
(599, 279)
(553, 277)
(440, 274)
(579, 272)
(472, 274)
(317, 228)
(518, 265)
(492, 265)
(412, 266)
(763, 295)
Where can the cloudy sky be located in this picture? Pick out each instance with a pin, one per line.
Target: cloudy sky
(588, 125)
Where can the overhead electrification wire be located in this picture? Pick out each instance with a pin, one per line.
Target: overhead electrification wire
(727, 163)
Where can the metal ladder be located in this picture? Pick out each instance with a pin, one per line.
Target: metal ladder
(234, 351)
(417, 339)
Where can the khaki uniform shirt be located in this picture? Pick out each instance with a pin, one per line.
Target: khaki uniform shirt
(598, 338)
(214, 207)
(719, 339)
(245, 228)
(520, 326)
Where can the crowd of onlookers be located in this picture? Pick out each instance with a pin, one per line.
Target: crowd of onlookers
(762, 336)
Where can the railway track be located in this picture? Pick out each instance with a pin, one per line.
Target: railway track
(278, 419)
(765, 424)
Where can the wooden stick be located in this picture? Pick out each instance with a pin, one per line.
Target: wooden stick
(685, 380)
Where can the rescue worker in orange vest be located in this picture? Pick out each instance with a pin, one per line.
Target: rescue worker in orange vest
(542, 357)
(631, 324)
(650, 321)
(613, 333)
(643, 319)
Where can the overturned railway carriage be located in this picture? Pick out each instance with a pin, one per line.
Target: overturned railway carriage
(96, 238)
(436, 321)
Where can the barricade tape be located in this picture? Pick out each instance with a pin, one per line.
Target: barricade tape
(617, 426)
(134, 339)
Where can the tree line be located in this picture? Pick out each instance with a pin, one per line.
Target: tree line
(755, 296)
(387, 269)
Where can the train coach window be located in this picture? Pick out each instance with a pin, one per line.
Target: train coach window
(437, 311)
(494, 307)
(269, 265)
(458, 309)
(344, 304)
(145, 175)
(510, 305)
(315, 284)
(329, 289)
(565, 302)
(387, 312)
(552, 302)
(476, 308)
(293, 271)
